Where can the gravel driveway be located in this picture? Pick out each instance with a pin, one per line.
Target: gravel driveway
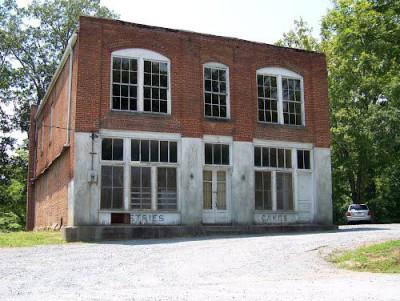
(273, 267)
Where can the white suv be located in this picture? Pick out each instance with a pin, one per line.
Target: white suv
(358, 213)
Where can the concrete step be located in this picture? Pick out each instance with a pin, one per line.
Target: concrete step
(124, 232)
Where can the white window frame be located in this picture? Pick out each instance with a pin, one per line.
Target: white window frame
(141, 55)
(127, 164)
(228, 103)
(294, 146)
(279, 73)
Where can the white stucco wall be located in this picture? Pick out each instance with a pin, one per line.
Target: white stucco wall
(312, 189)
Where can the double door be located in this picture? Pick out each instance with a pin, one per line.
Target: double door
(216, 196)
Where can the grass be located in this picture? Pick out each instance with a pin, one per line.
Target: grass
(377, 258)
(29, 239)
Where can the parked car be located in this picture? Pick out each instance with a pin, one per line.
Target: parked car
(358, 213)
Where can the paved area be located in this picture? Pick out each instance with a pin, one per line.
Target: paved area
(273, 267)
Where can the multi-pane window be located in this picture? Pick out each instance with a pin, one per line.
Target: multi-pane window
(112, 187)
(267, 98)
(112, 176)
(303, 159)
(215, 92)
(280, 96)
(263, 190)
(292, 101)
(154, 151)
(272, 157)
(140, 187)
(155, 86)
(124, 84)
(140, 81)
(150, 173)
(217, 154)
(273, 179)
(166, 188)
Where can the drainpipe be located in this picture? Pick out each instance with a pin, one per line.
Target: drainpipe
(70, 50)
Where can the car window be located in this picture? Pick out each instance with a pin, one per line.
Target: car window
(358, 207)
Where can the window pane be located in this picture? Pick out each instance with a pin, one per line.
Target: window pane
(217, 154)
(307, 164)
(116, 63)
(106, 176)
(225, 154)
(118, 176)
(105, 198)
(207, 189)
(265, 156)
(173, 155)
(257, 156)
(208, 153)
(106, 149)
(164, 151)
(166, 191)
(281, 158)
(154, 151)
(288, 158)
(118, 149)
(272, 152)
(300, 159)
(267, 190)
(118, 198)
(144, 150)
(135, 150)
(140, 188)
(284, 192)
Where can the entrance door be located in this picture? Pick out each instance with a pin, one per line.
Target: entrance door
(216, 209)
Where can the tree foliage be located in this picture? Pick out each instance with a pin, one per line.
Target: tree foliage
(32, 42)
(361, 40)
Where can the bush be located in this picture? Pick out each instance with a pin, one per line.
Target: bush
(9, 221)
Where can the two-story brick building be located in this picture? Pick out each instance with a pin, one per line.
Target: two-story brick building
(148, 125)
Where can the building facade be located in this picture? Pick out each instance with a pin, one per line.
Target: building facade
(152, 126)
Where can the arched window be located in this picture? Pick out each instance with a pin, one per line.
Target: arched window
(216, 90)
(140, 81)
(280, 96)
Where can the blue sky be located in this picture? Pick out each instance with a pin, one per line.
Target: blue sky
(254, 20)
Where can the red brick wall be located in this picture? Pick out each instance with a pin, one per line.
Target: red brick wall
(188, 52)
(52, 160)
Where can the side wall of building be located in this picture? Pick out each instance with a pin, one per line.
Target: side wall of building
(52, 153)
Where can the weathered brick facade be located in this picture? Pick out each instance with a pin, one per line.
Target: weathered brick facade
(52, 156)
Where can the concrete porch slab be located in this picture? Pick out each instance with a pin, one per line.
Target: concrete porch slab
(124, 232)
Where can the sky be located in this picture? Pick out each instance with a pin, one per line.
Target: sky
(254, 20)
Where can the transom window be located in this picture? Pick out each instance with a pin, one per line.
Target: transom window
(216, 154)
(140, 81)
(216, 90)
(303, 159)
(153, 151)
(272, 157)
(280, 96)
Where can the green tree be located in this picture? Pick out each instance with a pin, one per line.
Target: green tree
(361, 40)
(32, 42)
(300, 37)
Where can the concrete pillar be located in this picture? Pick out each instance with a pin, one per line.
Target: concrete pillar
(242, 183)
(323, 186)
(191, 193)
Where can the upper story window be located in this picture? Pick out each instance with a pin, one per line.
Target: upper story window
(280, 96)
(216, 90)
(140, 81)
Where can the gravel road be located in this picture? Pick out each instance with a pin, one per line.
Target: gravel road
(273, 267)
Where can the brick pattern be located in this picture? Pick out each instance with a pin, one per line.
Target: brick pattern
(51, 163)
(188, 52)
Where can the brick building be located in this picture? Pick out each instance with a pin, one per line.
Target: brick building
(148, 125)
